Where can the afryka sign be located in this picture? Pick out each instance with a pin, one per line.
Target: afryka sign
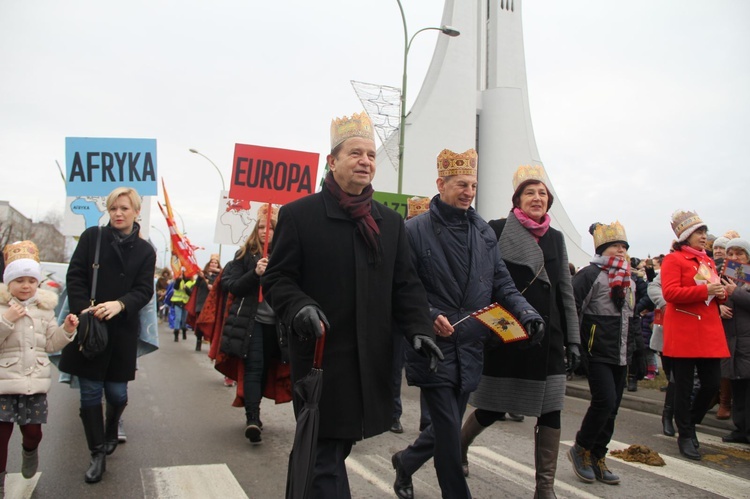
(271, 175)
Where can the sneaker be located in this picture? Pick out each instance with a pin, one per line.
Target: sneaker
(602, 473)
(252, 432)
(581, 459)
(121, 437)
(515, 417)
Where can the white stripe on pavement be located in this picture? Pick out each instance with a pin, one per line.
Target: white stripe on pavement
(695, 475)
(705, 438)
(188, 482)
(17, 487)
(511, 468)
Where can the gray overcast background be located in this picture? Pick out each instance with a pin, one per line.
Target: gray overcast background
(638, 108)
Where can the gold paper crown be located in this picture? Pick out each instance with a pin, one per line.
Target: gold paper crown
(359, 125)
(417, 206)
(684, 223)
(263, 212)
(732, 234)
(214, 256)
(528, 172)
(450, 163)
(21, 250)
(611, 233)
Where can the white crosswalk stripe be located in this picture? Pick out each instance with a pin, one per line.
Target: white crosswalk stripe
(695, 475)
(17, 487)
(191, 482)
(712, 440)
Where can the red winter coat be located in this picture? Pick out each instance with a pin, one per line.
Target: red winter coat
(692, 329)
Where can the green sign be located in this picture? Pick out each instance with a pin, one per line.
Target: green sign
(396, 202)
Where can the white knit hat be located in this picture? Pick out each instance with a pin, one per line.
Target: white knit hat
(721, 242)
(743, 244)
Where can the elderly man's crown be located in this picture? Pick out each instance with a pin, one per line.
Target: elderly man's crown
(359, 125)
(450, 163)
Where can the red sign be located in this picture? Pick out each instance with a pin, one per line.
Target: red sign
(271, 175)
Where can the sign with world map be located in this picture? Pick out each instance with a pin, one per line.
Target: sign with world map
(235, 219)
(82, 212)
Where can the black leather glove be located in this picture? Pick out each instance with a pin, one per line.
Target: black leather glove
(535, 328)
(573, 355)
(426, 346)
(306, 323)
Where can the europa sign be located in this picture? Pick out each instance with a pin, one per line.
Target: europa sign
(270, 175)
(95, 166)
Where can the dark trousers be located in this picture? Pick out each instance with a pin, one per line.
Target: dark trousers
(398, 368)
(330, 480)
(741, 407)
(606, 383)
(709, 373)
(254, 371)
(447, 406)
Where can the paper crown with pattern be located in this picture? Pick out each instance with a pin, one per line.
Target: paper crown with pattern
(263, 212)
(529, 172)
(685, 223)
(417, 206)
(359, 125)
(21, 260)
(611, 233)
(215, 256)
(450, 163)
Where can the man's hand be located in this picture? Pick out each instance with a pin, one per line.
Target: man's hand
(426, 346)
(573, 354)
(535, 327)
(442, 326)
(310, 322)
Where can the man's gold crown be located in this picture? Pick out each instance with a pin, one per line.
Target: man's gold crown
(359, 125)
(417, 206)
(450, 163)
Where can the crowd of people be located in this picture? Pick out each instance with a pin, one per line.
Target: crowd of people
(339, 273)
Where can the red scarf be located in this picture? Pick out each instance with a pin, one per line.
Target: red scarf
(617, 268)
(359, 209)
(536, 229)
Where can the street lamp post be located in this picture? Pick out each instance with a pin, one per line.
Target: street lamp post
(446, 30)
(166, 244)
(223, 185)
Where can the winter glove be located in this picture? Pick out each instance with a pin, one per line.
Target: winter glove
(306, 323)
(535, 328)
(426, 346)
(573, 354)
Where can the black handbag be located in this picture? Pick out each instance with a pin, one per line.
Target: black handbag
(92, 333)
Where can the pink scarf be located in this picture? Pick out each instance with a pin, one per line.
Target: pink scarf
(700, 254)
(536, 229)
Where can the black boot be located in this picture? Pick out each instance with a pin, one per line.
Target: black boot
(114, 412)
(469, 432)
(93, 427)
(254, 427)
(199, 342)
(177, 335)
(632, 384)
(667, 414)
(184, 334)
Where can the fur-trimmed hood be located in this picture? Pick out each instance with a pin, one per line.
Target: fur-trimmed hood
(46, 300)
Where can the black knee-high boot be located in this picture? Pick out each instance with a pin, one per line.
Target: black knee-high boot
(177, 335)
(93, 427)
(114, 412)
(184, 333)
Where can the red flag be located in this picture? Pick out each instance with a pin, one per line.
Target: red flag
(182, 250)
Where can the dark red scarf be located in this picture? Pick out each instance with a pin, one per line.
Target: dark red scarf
(359, 209)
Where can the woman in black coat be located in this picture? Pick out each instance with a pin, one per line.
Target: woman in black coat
(125, 284)
(250, 327)
(515, 378)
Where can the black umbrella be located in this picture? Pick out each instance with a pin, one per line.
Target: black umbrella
(302, 459)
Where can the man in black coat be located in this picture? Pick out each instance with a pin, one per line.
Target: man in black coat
(458, 260)
(341, 266)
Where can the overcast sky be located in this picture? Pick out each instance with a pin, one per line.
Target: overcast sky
(638, 108)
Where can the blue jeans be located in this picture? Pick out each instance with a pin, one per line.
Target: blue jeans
(116, 393)
(180, 315)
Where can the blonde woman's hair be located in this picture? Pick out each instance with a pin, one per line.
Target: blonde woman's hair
(253, 244)
(132, 194)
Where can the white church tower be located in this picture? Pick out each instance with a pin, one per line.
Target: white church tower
(475, 95)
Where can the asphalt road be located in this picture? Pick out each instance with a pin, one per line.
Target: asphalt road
(186, 441)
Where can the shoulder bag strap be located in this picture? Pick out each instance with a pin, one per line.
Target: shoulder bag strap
(95, 265)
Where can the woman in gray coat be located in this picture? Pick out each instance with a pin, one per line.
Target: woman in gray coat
(735, 315)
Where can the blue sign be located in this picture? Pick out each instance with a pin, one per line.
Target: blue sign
(95, 166)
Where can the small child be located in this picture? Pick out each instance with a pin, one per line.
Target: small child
(27, 319)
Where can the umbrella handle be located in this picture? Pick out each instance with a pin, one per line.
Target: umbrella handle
(319, 345)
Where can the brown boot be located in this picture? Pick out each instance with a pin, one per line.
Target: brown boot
(469, 432)
(725, 399)
(546, 448)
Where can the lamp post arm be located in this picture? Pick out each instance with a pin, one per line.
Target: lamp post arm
(223, 185)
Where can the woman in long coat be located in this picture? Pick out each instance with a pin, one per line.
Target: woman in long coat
(693, 334)
(515, 378)
(125, 284)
